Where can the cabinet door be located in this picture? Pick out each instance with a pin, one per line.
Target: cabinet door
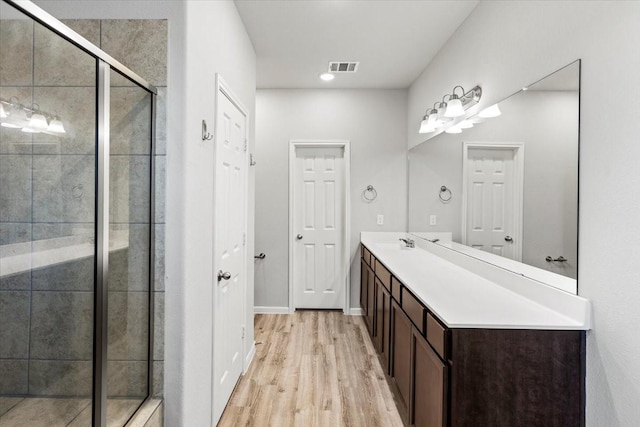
(364, 281)
(371, 301)
(429, 397)
(401, 352)
(383, 323)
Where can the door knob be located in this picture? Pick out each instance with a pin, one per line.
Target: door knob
(508, 239)
(299, 237)
(223, 275)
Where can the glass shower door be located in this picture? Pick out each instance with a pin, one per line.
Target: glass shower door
(47, 224)
(129, 248)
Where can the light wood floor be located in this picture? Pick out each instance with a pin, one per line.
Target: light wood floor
(312, 368)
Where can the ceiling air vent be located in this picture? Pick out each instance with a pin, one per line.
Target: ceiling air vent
(343, 67)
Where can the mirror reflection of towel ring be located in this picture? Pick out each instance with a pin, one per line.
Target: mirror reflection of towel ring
(370, 193)
(445, 194)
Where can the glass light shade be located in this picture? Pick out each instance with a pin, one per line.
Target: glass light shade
(56, 126)
(428, 123)
(454, 108)
(465, 124)
(17, 119)
(38, 122)
(3, 114)
(489, 112)
(454, 129)
(441, 118)
(30, 130)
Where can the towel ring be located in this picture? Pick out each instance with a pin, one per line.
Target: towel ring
(445, 194)
(370, 193)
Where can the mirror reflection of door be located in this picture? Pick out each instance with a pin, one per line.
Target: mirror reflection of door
(492, 198)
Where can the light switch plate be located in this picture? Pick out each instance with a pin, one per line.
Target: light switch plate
(380, 220)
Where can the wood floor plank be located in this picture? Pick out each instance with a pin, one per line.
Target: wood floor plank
(312, 368)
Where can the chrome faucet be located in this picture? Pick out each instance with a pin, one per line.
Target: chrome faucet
(409, 243)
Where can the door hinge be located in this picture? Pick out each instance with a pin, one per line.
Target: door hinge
(246, 145)
(244, 239)
(242, 331)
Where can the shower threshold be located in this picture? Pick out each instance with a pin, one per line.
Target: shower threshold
(61, 412)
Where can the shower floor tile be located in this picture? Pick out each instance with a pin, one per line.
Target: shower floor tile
(43, 412)
(61, 412)
(7, 403)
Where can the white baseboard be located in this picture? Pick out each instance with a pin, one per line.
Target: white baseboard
(249, 358)
(356, 311)
(270, 310)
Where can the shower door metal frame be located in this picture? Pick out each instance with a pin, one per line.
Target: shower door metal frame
(104, 64)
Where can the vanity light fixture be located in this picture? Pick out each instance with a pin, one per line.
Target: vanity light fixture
(37, 122)
(489, 112)
(327, 77)
(15, 115)
(430, 121)
(56, 126)
(452, 105)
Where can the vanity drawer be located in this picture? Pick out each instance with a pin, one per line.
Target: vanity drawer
(366, 255)
(395, 289)
(414, 309)
(384, 275)
(437, 336)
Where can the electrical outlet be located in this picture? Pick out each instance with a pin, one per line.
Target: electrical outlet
(380, 219)
(433, 220)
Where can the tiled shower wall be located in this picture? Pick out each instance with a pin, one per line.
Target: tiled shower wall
(41, 353)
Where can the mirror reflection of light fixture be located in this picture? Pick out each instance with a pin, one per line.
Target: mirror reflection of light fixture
(56, 126)
(465, 124)
(38, 122)
(451, 106)
(15, 115)
(489, 112)
(454, 129)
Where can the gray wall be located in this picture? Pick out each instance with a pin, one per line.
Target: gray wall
(374, 122)
(504, 45)
(546, 122)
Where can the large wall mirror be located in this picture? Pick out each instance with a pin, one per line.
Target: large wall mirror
(507, 188)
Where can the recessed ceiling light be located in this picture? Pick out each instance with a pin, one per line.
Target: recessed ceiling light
(327, 77)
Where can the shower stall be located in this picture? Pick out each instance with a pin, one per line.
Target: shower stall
(76, 230)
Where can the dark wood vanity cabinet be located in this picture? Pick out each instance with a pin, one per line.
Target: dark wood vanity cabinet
(454, 377)
(383, 323)
(429, 397)
(367, 290)
(401, 357)
(364, 277)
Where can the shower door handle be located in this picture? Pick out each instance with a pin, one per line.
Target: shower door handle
(223, 275)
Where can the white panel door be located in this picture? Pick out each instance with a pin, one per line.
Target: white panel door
(318, 225)
(229, 250)
(491, 201)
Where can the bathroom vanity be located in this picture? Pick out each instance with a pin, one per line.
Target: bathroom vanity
(466, 343)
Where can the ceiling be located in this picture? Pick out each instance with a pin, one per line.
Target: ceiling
(394, 40)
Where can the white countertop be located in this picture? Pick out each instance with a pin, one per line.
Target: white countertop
(463, 296)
